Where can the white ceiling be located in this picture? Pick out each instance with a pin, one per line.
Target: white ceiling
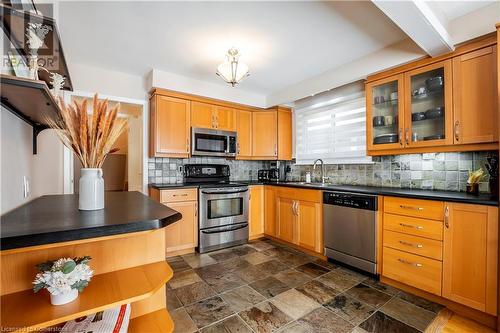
(455, 9)
(283, 42)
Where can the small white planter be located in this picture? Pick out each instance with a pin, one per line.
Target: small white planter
(64, 298)
(91, 187)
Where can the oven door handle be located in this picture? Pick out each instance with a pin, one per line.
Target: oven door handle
(219, 230)
(224, 192)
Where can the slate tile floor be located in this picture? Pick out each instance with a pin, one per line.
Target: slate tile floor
(267, 287)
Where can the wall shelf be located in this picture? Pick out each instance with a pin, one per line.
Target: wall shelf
(51, 54)
(30, 100)
(27, 311)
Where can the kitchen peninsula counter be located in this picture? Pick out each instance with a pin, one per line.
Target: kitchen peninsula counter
(56, 218)
(126, 243)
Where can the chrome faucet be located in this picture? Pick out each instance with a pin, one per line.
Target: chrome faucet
(323, 178)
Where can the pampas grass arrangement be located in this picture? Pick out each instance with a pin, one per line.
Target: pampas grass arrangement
(90, 137)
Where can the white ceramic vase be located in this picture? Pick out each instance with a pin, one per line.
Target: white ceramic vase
(64, 298)
(91, 189)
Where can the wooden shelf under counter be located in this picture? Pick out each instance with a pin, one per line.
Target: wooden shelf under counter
(27, 311)
(158, 321)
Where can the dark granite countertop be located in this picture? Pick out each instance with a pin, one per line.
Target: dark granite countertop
(56, 218)
(451, 196)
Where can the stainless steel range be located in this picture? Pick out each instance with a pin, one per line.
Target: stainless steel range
(223, 207)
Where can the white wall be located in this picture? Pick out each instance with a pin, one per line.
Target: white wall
(166, 80)
(103, 81)
(16, 156)
(44, 170)
(48, 165)
(392, 56)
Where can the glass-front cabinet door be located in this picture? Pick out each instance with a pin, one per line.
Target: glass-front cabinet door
(428, 106)
(384, 113)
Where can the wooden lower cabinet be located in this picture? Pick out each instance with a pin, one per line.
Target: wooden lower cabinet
(298, 217)
(454, 257)
(286, 219)
(256, 212)
(413, 270)
(309, 225)
(470, 256)
(181, 236)
(270, 211)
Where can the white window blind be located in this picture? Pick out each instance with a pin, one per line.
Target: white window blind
(332, 131)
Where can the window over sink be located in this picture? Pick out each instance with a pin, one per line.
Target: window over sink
(332, 126)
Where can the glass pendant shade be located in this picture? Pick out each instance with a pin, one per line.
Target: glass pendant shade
(232, 71)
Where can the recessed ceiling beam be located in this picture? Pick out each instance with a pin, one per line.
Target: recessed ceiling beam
(420, 23)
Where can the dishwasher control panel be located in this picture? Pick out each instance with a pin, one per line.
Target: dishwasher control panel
(368, 202)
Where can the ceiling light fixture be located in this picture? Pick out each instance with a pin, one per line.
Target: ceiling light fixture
(232, 71)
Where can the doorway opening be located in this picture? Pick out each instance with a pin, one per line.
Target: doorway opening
(123, 170)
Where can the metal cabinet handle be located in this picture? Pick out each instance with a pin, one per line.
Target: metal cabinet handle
(400, 136)
(294, 208)
(457, 130)
(447, 216)
(275, 150)
(238, 144)
(418, 246)
(407, 136)
(180, 195)
(411, 207)
(418, 227)
(410, 263)
(187, 144)
(196, 210)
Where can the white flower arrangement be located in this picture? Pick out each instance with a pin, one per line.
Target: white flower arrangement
(63, 275)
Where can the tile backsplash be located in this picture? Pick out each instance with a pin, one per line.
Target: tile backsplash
(435, 171)
(438, 171)
(170, 170)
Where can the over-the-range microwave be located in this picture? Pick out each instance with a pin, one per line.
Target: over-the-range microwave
(210, 142)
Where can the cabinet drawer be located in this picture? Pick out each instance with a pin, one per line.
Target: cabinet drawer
(416, 271)
(417, 245)
(413, 207)
(188, 194)
(414, 226)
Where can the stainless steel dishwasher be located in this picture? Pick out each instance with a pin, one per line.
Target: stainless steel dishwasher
(350, 229)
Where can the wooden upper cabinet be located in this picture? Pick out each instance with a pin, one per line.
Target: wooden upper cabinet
(256, 212)
(475, 96)
(264, 135)
(169, 127)
(244, 130)
(470, 256)
(284, 134)
(225, 118)
(447, 103)
(428, 106)
(384, 113)
(213, 116)
(202, 115)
